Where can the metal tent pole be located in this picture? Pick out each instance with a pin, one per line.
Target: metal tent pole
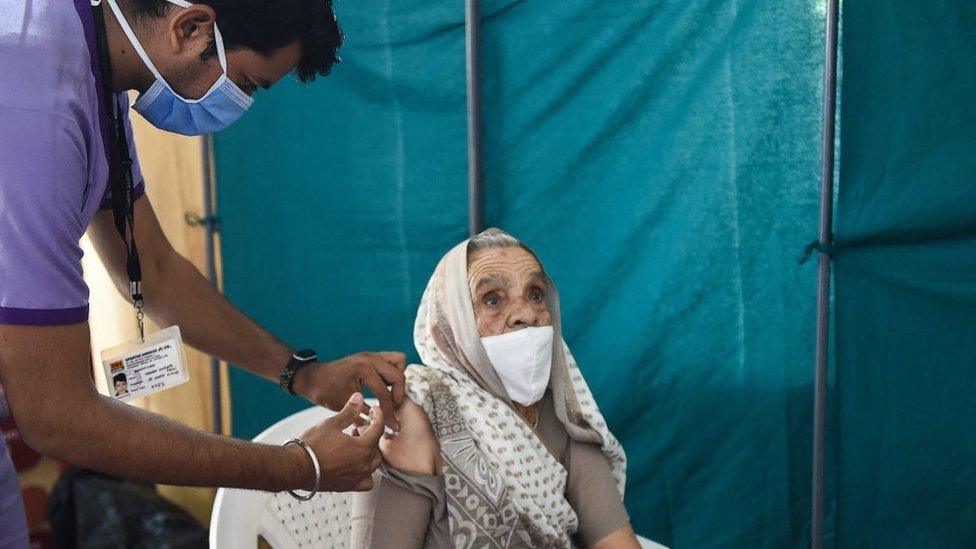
(210, 227)
(472, 59)
(823, 274)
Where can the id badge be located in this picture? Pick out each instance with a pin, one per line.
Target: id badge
(139, 368)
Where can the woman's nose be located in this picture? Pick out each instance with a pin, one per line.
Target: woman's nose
(523, 315)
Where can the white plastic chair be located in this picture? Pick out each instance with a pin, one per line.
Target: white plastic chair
(648, 544)
(240, 516)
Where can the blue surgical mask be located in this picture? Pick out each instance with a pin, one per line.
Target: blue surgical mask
(220, 107)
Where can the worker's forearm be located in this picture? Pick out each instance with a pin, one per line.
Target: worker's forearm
(47, 381)
(125, 441)
(176, 293)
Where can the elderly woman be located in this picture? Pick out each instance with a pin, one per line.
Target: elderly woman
(501, 443)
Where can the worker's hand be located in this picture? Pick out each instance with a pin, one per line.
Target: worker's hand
(347, 461)
(330, 383)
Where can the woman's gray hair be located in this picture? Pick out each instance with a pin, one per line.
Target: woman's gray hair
(494, 238)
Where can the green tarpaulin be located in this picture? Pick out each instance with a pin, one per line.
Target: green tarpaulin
(663, 159)
(905, 276)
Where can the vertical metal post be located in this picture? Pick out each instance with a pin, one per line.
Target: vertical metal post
(472, 59)
(210, 227)
(823, 274)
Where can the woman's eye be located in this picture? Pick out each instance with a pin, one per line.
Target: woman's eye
(491, 300)
(537, 295)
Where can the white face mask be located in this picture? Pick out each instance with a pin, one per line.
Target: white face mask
(523, 361)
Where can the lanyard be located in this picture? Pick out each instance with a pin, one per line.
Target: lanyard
(119, 169)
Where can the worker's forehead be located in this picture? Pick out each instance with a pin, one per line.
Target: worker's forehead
(265, 70)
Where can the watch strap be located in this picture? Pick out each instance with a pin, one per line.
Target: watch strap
(298, 360)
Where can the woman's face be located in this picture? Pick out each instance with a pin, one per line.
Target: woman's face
(508, 290)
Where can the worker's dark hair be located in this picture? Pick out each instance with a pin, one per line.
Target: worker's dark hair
(267, 25)
(119, 377)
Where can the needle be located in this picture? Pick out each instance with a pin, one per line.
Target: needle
(386, 429)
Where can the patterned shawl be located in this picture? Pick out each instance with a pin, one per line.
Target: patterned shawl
(504, 488)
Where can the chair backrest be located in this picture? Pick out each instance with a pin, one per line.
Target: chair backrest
(649, 544)
(240, 516)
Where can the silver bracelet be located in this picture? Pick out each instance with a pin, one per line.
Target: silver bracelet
(315, 463)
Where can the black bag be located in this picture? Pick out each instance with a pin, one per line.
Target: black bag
(88, 509)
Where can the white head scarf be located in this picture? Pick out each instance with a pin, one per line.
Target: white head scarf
(504, 488)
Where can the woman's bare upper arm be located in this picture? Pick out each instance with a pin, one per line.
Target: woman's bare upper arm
(415, 449)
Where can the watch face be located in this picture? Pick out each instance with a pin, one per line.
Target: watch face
(305, 355)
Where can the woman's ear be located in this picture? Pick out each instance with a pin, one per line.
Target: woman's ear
(191, 29)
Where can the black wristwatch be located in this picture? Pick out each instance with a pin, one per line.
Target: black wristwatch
(298, 360)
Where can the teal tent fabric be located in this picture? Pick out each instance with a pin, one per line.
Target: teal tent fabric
(337, 199)
(662, 157)
(905, 276)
